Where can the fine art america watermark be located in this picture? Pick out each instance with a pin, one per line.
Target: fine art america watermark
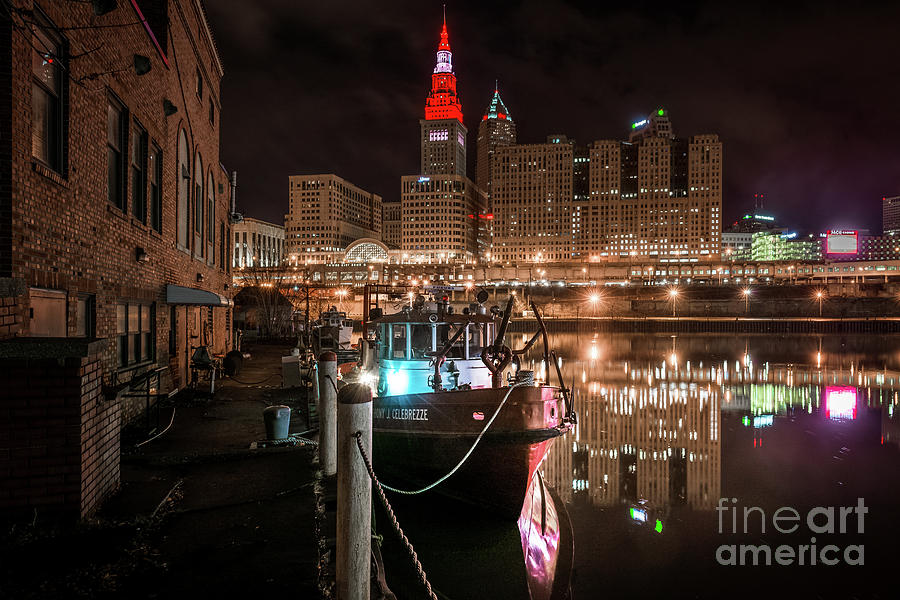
(820, 520)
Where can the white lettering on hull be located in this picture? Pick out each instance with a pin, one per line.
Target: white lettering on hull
(400, 414)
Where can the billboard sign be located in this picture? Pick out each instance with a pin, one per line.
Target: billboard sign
(841, 242)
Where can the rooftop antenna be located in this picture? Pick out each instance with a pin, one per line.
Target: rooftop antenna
(496, 86)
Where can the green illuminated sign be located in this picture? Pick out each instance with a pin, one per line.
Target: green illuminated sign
(658, 526)
(660, 112)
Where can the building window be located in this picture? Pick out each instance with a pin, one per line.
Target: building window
(134, 334)
(212, 112)
(210, 220)
(222, 262)
(199, 225)
(116, 132)
(85, 316)
(184, 190)
(47, 86)
(199, 84)
(139, 173)
(155, 171)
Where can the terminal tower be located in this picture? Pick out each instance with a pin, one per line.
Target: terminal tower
(443, 133)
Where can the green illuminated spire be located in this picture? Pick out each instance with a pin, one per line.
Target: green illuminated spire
(496, 109)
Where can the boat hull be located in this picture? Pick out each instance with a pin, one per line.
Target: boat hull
(420, 438)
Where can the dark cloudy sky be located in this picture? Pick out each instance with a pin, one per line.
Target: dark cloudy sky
(805, 96)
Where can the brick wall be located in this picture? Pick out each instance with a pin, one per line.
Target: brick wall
(58, 230)
(59, 437)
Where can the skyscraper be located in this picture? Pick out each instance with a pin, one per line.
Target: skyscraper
(496, 129)
(327, 214)
(441, 207)
(656, 196)
(443, 132)
(533, 201)
(890, 215)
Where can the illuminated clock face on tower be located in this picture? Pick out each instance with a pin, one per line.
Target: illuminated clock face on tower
(443, 62)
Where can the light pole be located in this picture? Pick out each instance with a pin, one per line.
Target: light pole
(820, 296)
(673, 294)
(341, 294)
(746, 300)
(594, 299)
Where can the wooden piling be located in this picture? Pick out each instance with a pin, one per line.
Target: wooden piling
(354, 494)
(327, 367)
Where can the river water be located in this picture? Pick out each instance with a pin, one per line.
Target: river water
(668, 426)
(695, 455)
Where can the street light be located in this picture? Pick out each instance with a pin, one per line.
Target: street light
(747, 293)
(820, 295)
(673, 294)
(341, 294)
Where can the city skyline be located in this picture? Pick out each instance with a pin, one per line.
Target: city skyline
(802, 133)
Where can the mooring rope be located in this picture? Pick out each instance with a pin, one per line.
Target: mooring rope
(464, 458)
(333, 384)
(390, 511)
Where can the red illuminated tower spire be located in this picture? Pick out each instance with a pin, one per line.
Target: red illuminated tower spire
(443, 133)
(442, 101)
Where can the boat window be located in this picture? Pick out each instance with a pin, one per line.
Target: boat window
(475, 338)
(444, 333)
(398, 341)
(385, 341)
(420, 342)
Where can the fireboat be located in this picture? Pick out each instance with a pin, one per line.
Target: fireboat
(448, 415)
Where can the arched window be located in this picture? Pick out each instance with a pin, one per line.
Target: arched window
(184, 189)
(366, 251)
(210, 220)
(198, 205)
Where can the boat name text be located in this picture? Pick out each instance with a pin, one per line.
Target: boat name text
(401, 414)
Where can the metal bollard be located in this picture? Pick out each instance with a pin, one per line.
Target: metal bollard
(328, 412)
(354, 494)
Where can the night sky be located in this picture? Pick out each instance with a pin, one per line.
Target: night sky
(805, 98)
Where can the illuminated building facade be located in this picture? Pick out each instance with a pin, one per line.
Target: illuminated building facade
(496, 129)
(784, 245)
(737, 239)
(443, 133)
(327, 214)
(439, 218)
(257, 244)
(656, 196)
(391, 232)
(533, 201)
(890, 215)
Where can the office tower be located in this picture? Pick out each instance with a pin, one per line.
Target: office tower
(327, 214)
(443, 134)
(533, 201)
(439, 218)
(656, 197)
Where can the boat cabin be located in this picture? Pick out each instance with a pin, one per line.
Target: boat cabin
(407, 343)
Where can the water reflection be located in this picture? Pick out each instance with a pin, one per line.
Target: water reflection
(651, 407)
(668, 425)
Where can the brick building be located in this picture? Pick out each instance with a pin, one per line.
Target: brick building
(114, 223)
